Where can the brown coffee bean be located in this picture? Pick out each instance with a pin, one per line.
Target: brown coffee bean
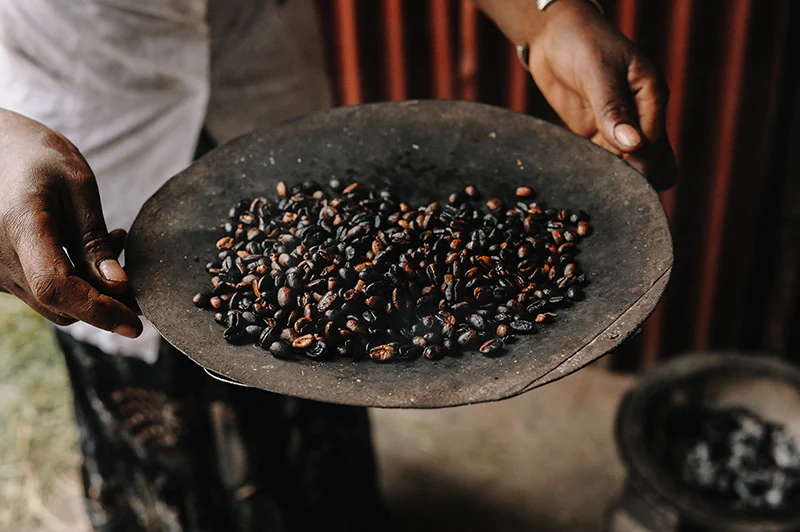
(225, 242)
(383, 353)
(286, 297)
(302, 342)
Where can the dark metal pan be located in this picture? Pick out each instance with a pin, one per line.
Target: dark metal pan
(428, 148)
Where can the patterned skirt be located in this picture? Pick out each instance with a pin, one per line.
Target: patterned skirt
(167, 448)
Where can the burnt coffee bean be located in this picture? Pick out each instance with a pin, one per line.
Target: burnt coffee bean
(327, 301)
(522, 326)
(268, 335)
(477, 322)
(235, 335)
(575, 293)
(433, 352)
(281, 350)
(254, 331)
(467, 337)
(318, 349)
(294, 279)
(354, 271)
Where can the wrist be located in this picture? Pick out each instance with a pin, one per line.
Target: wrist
(558, 13)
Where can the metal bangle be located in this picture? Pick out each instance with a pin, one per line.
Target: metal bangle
(523, 49)
(542, 4)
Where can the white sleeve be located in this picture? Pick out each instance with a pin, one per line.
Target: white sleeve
(127, 81)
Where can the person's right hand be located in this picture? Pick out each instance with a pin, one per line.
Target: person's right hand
(49, 202)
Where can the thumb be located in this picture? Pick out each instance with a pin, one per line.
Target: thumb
(609, 96)
(91, 247)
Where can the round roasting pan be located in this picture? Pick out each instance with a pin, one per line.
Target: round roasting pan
(429, 149)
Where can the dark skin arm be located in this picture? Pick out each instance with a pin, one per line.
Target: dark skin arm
(49, 201)
(600, 85)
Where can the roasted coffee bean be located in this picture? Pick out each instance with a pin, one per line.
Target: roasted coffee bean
(522, 325)
(254, 331)
(353, 265)
(490, 347)
(225, 242)
(467, 337)
(383, 353)
(327, 301)
(477, 322)
(202, 300)
(318, 349)
(286, 297)
(575, 293)
(545, 317)
(433, 352)
(303, 342)
(281, 350)
(268, 335)
(235, 335)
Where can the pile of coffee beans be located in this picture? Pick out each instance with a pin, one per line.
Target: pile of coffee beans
(734, 455)
(326, 271)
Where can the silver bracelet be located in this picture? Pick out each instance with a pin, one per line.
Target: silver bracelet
(542, 4)
(523, 50)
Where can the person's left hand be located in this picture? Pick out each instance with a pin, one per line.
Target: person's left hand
(603, 88)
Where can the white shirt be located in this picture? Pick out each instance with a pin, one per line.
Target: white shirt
(131, 83)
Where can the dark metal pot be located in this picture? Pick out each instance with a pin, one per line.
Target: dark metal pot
(654, 498)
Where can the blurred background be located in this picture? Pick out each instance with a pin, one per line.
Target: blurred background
(545, 461)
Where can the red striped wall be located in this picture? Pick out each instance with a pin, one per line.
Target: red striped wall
(729, 119)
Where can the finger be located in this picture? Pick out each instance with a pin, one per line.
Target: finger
(608, 93)
(54, 284)
(650, 95)
(656, 162)
(23, 293)
(117, 238)
(91, 247)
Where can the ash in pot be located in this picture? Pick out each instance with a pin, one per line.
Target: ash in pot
(735, 456)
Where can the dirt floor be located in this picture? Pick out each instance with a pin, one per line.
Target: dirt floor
(544, 461)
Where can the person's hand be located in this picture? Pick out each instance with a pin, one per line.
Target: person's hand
(603, 88)
(49, 203)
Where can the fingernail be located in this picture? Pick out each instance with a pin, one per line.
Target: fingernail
(112, 271)
(125, 330)
(627, 135)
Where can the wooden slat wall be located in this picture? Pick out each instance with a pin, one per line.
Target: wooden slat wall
(731, 73)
